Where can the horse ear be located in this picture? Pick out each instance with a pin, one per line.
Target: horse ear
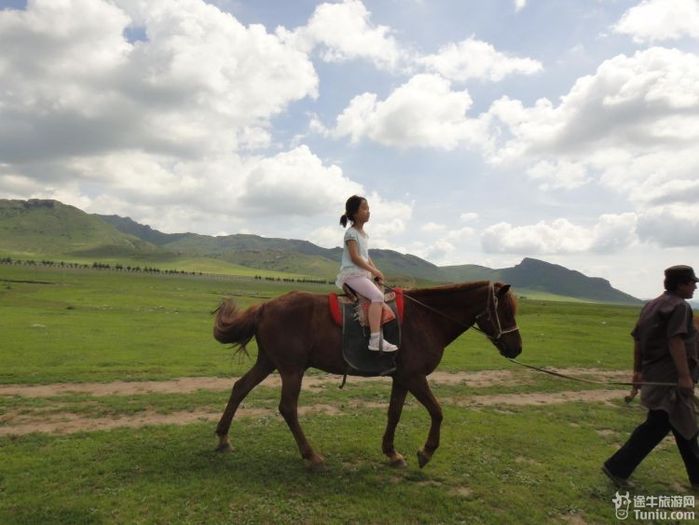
(503, 290)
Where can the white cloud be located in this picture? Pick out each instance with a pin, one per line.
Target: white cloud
(343, 31)
(441, 245)
(423, 112)
(610, 234)
(475, 59)
(658, 20)
(632, 127)
(296, 183)
(95, 120)
(439, 250)
(676, 225)
(614, 232)
(432, 227)
(560, 236)
(469, 216)
(388, 219)
(559, 174)
(327, 236)
(460, 234)
(520, 4)
(202, 82)
(631, 102)
(163, 129)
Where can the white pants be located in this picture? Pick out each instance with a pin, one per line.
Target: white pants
(366, 287)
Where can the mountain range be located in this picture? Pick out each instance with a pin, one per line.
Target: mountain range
(49, 229)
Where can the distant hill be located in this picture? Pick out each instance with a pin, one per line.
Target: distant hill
(48, 228)
(534, 275)
(538, 275)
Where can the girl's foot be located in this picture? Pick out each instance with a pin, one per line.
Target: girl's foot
(385, 345)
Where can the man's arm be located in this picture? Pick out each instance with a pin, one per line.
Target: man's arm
(679, 356)
(637, 371)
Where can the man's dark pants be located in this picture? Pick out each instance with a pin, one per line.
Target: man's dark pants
(645, 438)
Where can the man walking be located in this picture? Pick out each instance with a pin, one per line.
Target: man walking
(664, 352)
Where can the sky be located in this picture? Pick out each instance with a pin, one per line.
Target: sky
(480, 132)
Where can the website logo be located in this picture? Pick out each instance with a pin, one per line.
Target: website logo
(622, 502)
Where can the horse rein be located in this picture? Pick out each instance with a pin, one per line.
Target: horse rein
(492, 301)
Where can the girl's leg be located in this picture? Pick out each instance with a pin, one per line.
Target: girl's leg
(365, 287)
(374, 315)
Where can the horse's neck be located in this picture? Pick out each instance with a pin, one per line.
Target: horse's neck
(454, 310)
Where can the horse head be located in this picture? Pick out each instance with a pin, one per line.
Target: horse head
(497, 321)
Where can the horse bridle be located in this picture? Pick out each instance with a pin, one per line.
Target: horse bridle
(499, 330)
(492, 301)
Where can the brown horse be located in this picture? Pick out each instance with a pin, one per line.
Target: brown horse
(295, 331)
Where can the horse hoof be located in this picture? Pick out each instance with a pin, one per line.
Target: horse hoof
(398, 463)
(422, 458)
(316, 464)
(224, 448)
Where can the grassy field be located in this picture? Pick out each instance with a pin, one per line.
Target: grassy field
(84, 325)
(500, 461)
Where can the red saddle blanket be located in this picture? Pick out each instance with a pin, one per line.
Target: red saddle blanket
(396, 295)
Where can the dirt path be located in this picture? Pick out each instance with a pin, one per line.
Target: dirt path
(185, 385)
(14, 424)
(22, 422)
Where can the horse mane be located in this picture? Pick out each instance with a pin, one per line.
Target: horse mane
(510, 300)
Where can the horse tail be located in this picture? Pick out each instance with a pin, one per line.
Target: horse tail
(236, 327)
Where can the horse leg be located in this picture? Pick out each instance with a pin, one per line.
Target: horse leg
(421, 390)
(242, 387)
(395, 408)
(288, 407)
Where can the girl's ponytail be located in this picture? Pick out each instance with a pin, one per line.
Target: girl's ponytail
(343, 220)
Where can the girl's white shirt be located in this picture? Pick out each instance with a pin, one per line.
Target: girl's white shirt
(348, 269)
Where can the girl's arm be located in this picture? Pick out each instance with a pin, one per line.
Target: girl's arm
(361, 261)
(380, 275)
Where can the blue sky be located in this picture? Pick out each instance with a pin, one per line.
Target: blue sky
(481, 132)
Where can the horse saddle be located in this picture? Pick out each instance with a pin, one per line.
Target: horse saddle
(350, 313)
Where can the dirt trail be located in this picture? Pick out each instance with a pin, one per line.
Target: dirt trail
(12, 424)
(22, 422)
(186, 385)
(68, 423)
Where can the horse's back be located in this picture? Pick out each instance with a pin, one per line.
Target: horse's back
(296, 329)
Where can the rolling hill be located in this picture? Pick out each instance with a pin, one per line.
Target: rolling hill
(47, 228)
(50, 229)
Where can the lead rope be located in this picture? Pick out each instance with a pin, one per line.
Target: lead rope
(628, 398)
(582, 380)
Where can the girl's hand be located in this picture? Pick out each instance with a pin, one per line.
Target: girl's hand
(378, 276)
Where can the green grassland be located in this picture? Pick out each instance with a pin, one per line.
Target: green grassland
(497, 464)
(519, 466)
(85, 325)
